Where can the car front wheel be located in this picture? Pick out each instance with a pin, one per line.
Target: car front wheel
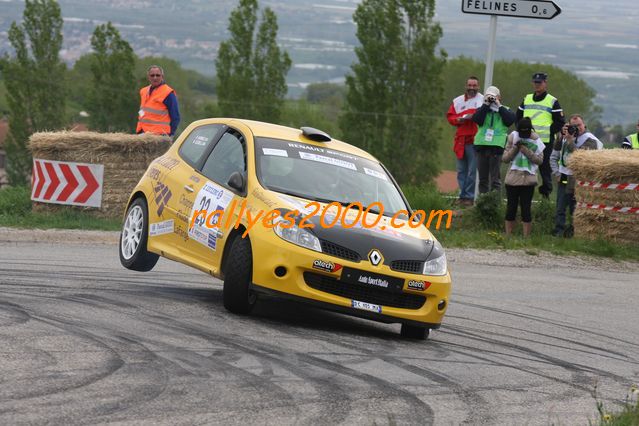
(415, 332)
(133, 238)
(237, 294)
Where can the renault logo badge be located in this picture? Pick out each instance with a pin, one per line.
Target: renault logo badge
(375, 257)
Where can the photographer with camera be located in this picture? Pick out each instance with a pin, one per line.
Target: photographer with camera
(526, 151)
(493, 120)
(573, 136)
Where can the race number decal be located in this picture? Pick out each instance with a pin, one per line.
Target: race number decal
(210, 198)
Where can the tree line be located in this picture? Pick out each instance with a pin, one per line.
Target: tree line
(392, 104)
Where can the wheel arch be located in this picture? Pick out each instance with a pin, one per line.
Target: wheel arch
(132, 198)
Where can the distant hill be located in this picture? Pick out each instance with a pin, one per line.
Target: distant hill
(597, 40)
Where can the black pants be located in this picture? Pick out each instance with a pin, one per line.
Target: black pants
(546, 172)
(488, 167)
(522, 196)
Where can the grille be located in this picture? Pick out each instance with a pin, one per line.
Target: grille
(339, 251)
(410, 266)
(363, 293)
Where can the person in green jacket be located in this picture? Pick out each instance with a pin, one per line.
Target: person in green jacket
(493, 120)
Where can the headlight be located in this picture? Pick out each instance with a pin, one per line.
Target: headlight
(436, 263)
(294, 234)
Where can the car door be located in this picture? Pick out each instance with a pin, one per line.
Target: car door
(206, 241)
(175, 193)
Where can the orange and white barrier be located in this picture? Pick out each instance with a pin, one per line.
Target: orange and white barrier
(618, 186)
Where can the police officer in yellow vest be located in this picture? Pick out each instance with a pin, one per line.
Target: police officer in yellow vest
(631, 141)
(547, 118)
(159, 111)
(493, 120)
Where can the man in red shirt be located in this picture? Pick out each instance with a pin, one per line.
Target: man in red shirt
(460, 115)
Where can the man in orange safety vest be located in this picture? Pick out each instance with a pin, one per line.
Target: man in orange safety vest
(159, 111)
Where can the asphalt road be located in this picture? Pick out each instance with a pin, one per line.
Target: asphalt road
(527, 340)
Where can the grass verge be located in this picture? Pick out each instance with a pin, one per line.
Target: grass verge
(627, 416)
(481, 227)
(16, 212)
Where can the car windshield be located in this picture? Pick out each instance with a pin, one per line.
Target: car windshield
(325, 175)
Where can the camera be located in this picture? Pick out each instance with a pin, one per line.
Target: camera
(491, 98)
(573, 130)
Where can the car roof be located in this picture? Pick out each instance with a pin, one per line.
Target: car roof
(288, 134)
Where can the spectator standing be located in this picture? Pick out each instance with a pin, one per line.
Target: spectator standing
(631, 141)
(493, 120)
(526, 151)
(460, 115)
(574, 136)
(547, 118)
(159, 111)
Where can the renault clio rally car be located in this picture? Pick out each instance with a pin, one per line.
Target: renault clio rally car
(198, 202)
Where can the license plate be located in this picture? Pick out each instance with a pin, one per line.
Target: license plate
(365, 306)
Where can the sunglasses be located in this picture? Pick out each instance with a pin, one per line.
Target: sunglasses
(155, 75)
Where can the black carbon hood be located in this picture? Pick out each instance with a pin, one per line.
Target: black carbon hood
(392, 244)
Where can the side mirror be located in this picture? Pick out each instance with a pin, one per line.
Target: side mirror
(419, 216)
(236, 181)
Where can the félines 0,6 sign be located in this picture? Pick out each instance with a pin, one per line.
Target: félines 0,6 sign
(538, 9)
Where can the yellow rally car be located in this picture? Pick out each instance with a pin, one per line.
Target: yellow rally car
(271, 209)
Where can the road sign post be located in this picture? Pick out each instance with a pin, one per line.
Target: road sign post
(535, 9)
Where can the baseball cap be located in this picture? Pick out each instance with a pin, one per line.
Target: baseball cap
(524, 127)
(492, 90)
(539, 76)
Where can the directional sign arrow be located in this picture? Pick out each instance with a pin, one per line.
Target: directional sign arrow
(72, 182)
(537, 9)
(61, 182)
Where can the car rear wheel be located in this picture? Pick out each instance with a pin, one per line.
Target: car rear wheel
(415, 332)
(133, 238)
(237, 294)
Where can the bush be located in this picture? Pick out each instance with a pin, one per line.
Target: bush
(489, 211)
(15, 200)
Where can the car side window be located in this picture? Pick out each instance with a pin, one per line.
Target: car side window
(227, 157)
(196, 143)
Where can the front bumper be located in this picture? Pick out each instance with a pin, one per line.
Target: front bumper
(301, 281)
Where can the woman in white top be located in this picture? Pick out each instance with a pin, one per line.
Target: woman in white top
(526, 151)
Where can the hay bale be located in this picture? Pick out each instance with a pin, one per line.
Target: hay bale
(608, 197)
(607, 167)
(125, 158)
(594, 223)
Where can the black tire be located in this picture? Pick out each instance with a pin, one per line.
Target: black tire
(237, 294)
(415, 332)
(134, 237)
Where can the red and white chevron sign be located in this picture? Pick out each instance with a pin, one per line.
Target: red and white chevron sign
(59, 182)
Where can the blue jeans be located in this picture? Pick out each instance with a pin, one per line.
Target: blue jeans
(466, 170)
(565, 200)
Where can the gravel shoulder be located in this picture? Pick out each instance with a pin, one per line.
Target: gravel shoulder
(491, 257)
(59, 236)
